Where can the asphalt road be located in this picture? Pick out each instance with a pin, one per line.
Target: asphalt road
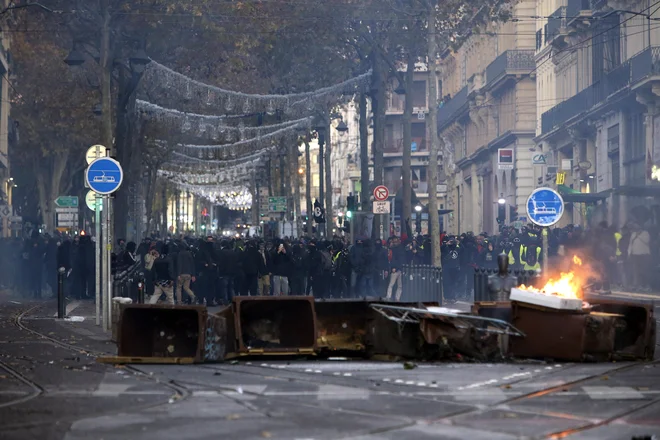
(52, 388)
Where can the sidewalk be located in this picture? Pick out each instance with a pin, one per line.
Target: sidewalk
(79, 328)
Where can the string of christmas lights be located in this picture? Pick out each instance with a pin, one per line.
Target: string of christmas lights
(209, 126)
(168, 85)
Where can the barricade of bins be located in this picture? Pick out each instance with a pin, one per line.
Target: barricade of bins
(422, 283)
(481, 293)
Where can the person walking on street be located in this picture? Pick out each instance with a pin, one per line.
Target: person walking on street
(396, 265)
(185, 266)
(163, 273)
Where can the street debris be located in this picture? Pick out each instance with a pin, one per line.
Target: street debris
(337, 330)
(75, 319)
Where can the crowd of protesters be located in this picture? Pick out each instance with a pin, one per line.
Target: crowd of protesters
(213, 270)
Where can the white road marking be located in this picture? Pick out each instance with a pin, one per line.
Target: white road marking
(111, 389)
(205, 394)
(87, 393)
(334, 392)
(612, 393)
(490, 394)
(73, 305)
(513, 376)
(479, 384)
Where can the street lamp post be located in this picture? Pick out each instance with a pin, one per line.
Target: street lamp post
(418, 219)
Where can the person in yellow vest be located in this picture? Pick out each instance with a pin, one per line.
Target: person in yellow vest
(530, 256)
(515, 254)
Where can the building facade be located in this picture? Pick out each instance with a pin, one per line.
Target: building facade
(345, 158)
(598, 130)
(487, 124)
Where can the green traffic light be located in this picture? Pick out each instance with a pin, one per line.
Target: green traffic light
(349, 214)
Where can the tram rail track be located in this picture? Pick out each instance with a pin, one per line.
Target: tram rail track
(180, 393)
(182, 389)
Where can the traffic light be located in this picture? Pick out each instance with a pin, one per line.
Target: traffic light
(349, 214)
(350, 203)
(347, 226)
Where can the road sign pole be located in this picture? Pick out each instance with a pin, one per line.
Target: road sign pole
(97, 255)
(104, 176)
(105, 263)
(545, 252)
(108, 261)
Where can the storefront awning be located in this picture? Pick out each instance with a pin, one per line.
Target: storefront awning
(572, 196)
(638, 190)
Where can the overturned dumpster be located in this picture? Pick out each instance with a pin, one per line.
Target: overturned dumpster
(342, 326)
(353, 327)
(167, 334)
(269, 325)
(575, 330)
(442, 332)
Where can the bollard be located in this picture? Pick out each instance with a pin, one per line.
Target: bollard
(141, 282)
(115, 288)
(477, 284)
(61, 302)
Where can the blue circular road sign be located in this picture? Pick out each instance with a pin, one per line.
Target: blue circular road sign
(545, 207)
(104, 175)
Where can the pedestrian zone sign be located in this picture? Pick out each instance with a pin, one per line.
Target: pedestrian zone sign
(545, 207)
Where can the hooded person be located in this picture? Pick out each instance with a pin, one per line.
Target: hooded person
(209, 270)
(185, 271)
(163, 270)
(253, 265)
(282, 268)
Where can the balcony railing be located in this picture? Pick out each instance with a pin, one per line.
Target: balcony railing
(574, 10)
(420, 187)
(510, 62)
(556, 22)
(636, 69)
(449, 109)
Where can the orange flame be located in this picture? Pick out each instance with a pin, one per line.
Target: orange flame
(568, 285)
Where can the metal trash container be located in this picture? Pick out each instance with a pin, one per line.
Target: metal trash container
(270, 325)
(160, 334)
(117, 304)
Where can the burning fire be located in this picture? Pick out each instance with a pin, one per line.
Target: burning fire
(568, 285)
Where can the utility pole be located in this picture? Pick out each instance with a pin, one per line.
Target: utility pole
(107, 137)
(434, 220)
(295, 166)
(407, 143)
(321, 163)
(328, 181)
(308, 186)
(379, 106)
(364, 153)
